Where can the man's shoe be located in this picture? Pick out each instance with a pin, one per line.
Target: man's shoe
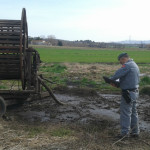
(136, 136)
(122, 136)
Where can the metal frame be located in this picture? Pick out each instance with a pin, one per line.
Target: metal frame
(18, 61)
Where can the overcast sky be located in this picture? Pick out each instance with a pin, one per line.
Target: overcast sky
(96, 20)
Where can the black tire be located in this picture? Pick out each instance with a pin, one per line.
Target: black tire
(2, 106)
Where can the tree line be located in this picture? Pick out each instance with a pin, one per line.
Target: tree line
(51, 40)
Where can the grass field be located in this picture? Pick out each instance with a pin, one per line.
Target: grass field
(80, 55)
(64, 68)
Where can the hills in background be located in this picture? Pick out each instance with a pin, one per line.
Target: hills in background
(134, 42)
(52, 41)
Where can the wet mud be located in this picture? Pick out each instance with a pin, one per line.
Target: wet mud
(80, 109)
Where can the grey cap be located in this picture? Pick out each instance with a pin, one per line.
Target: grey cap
(122, 55)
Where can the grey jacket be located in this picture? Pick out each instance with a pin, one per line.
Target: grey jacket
(128, 75)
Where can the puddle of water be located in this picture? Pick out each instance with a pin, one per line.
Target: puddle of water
(144, 125)
(68, 116)
(109, 95)
(69, 99)
(71, 86)
(35, 116)
(64, 97)
(144, 74)
(108, 113)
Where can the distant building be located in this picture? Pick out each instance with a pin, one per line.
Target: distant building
(40, 42)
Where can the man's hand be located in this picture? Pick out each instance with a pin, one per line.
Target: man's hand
(112, 84)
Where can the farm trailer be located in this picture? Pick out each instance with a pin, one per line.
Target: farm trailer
(19, 62)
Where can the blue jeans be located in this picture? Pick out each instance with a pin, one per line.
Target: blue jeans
(129, 115)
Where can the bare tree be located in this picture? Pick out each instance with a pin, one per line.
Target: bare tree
(52, 40)
(42, 36)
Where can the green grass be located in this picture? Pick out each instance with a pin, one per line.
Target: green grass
(145, 85)
(3, 87)
(145, 81)
(145, 90)
(55, 68)
(34, 131)
(61, 132)
(91, 55)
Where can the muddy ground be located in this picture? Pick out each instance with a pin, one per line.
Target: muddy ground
(82, 108)
(89, 120)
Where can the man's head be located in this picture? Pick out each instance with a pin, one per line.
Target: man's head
(123, 58)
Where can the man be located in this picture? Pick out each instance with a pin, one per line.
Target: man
(128, 76)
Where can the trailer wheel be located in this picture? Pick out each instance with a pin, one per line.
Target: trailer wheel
(2, 106)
